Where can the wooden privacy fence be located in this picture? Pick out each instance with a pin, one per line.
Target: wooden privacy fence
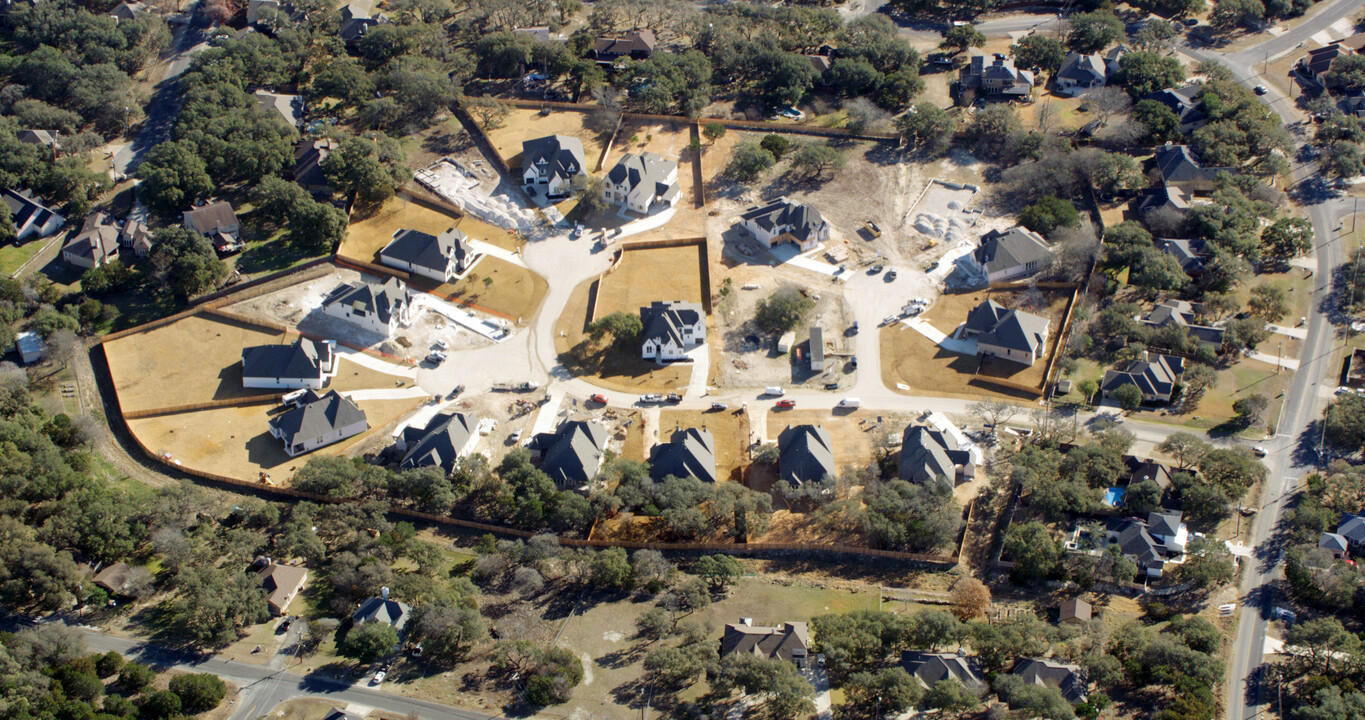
(206, 405)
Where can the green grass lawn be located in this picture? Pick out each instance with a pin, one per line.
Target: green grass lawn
(13, 257)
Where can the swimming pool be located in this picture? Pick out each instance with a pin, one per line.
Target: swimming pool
(1113, 497)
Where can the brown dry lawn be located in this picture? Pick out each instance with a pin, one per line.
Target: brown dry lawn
(515, 292)
(624, 370)
(154, 369)
(729, 430)
(366, 237)
(306, 709)
(523, 124)
(851, 433)
(911, 359)
(644, 276)
(235, 441)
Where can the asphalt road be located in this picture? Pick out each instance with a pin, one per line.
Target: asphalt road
(1292, 452)
(264, 687)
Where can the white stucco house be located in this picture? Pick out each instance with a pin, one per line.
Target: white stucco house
(31, 217)
(670, 329)
(379, 308)
(549, 165)
(303, 364)
(642, 183)
(785, 220)
(442, 258)
(316, 421)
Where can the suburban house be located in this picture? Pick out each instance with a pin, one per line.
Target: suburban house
(383, 610)
(340, 714)
(642, 183)
(302, 364)
(1012, 335)
(1185, 103)
(265, 12)
(689, 453)
(1079, 74)
(281, 582)
(549, 165)
(218, 222)
(933, 668)
(307, 171)
(316, 421)
(1074, 612)
(1314, 65)
(45, 138)
(445, 438)
(1352, 528)
(788, 641)
(31, 217)
(670, 328)
(538, 33)
(572, 455)
(96, 244)
(820, 64)
(442, 258)
(1155, 375)
(30, 346)
(114, 578)
(929, 455)
(1161, 197)
(1067, 679)
(1178, 167)
(1353, 103)
(288, 108)
(784, 220)
(636, 45)
(995, 76)
(1008, 255)
(805, 454)
(1335, 544)
(1184, 314)
(1144, 470)
(136, 236)
(1150, 544)
(1189, 253)
(372, 306)
(356, 19)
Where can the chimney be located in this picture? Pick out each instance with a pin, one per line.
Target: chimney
(384, 593)
(746, 622)
(1144, 356)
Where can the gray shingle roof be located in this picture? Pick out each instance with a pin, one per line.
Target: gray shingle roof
(1015, 329)
(645, 174)
(929, 455)
(1157, 375)
(1177, 164)
(1334, 542)
(316, 416)
(302, 359)
(308, 157)
(1086, 69)
(427, 250)
(805, 454)
(662, 320)
(379, 610)
(573, 455)
(801, 219)
(560, 155)
(1069, 679)
(98, 237)
(1187, 252)
(1162, 196)
(1352, 527)
(23, 207)
(385, 300)
(932, 668)
(1184, 102)
(213, 216)
(440, 442)
(1011, 248)
(785, 642)
(1165, 523)
(689, 453)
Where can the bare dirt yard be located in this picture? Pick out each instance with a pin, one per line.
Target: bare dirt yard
(646, 275)
(493, 285)
(909, 358)
(751, 358)
(521, 125)
(236, 441)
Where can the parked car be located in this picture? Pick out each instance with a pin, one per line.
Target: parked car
(417, 650)
(441, 345)
(515, 436)
(854, 327)
(378, 678)
(876, 269)
(1260, 90)
(850, 402)
(598, 398)
(673, 398)
(436, 358)
(1259, 450)
(832, 385)
(651, 398)
(890, 319)
(719, 406)
(820, 660)
(786, 404)
(890, 275)
(455, 393)
(774, 391)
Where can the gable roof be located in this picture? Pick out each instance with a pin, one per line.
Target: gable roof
(1074, 609)
(805, 454)
(281, 582)
(1000, 70)
(435, 252)
(786, 641)
(127, 10)
(1183, 101)
(1086, 69)
(1334, 542)
(800, 219)
(932, 668)
(287, 107)
(308, 157)
(572, 456)
(316, 416)
(1011, 248)
(645, 174)
(1140, 470)
(1014, 329)
(213, 216)
(440, 442)
(1154, 375)
(1162, 196)
(689, 453)
(1352, 527)
(386, 301)
(663, 321)
(382, 610)
(1177, 164)
(97, 239)
(114, 577)
(1133, 539)
(300, 360)
(1164, 523)
(1319, 60)
(1189, 253)
(635, 41)
(25, 209)
(555, 155)
(929, 455)
(45, 138)
(1069, 679)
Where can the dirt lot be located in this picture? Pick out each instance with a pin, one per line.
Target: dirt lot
(615, 370)
(751, 358)
(729, 429)
(514, 292)
(300, 306)
(647, 275)
(522, 125)
(200, 357)
(236, 441)
(910, 358)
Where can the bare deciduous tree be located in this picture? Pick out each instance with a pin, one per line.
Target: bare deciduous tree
(993, 413)
(1107, 102)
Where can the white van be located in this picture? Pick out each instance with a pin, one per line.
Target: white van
(849, 402)
(774, 391)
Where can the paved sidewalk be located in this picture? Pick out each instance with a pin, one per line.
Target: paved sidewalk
(936, 336)
(386, 394)
(1298, 333)
(701, 368)
(1288, 363)
(374, 363)
(492, 250)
